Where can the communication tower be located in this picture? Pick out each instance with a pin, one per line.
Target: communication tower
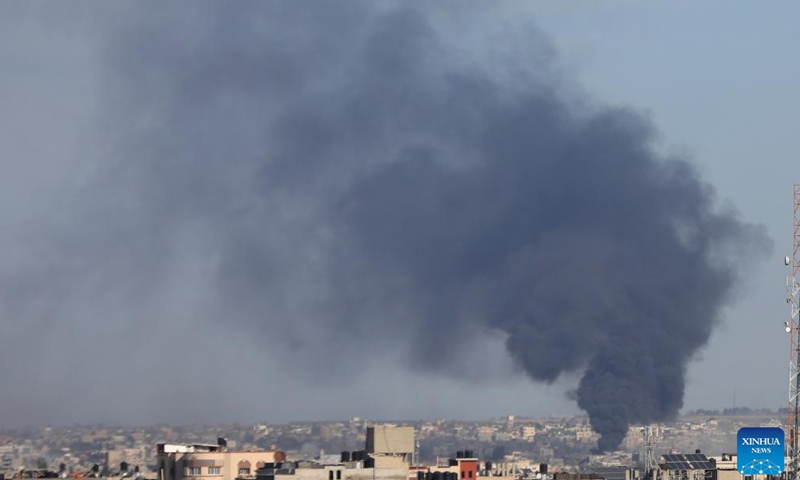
(792, 327)
(651, 468)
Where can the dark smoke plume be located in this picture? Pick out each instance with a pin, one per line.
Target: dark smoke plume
(350, 179)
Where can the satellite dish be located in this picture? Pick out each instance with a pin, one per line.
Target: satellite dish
(787, 261)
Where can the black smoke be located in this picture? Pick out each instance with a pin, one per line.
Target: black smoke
(336, 178)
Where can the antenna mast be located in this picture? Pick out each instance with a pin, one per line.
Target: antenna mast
(793, 329)
(651, 468)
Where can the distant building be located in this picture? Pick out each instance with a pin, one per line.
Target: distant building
(6, 455)
(485, 433)
(546, 453)
(529, 433)
(501, 469)
(585, 434)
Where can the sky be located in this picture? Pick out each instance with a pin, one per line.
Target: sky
(127, 297)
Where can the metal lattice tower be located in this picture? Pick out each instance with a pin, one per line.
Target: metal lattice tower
(793, 328)
(651, 468)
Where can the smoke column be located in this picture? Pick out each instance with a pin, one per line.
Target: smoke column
(333, 174)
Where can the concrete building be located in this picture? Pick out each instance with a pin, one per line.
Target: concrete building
(353, 471)
(584, 433)
(391, 441)
(727, 468)
(686, 466)
(617, 473)
(529, 433)
(501, 469)
(485, 433)
(464, 466)
(345, 470)
(6, 458)
(210, 462)
(388, 454)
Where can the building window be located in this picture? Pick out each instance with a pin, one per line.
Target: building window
(214, 471)
(330, 474)
(244, 468)
(193, 471)
(463, 474)
(470, 474)
(338, 475)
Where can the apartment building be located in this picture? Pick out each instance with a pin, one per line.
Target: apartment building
(210, 462)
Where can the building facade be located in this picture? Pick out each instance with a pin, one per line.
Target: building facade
(391, 441)
(210, 462)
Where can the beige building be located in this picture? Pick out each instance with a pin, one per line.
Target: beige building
(529, 433)
(342, 472)
(585, 433)
(727, 468)
(210, 462)
(391, 441)
(503, 470)
(686, 466)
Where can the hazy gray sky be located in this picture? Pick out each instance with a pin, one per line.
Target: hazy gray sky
(119, 286)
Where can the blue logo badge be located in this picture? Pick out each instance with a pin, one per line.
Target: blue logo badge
(759, 451)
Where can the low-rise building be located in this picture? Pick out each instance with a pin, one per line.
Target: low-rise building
(686, 466)
(210, 462)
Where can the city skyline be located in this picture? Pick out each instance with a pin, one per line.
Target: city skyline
(566, 444)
